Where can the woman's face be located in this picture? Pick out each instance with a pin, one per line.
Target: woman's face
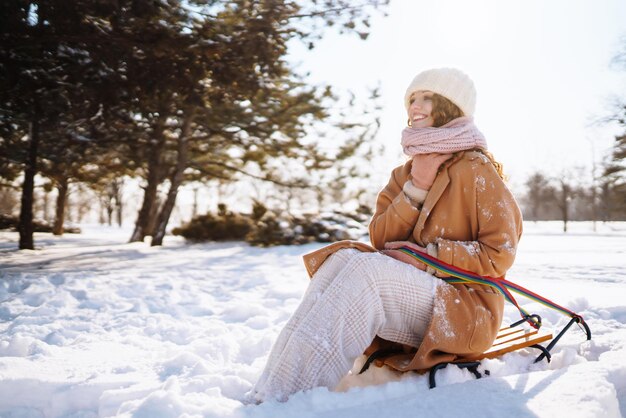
(420, 109)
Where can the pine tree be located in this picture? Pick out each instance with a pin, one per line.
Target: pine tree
(233, 101)
(50, 73)
(174, 91)
(613, 182)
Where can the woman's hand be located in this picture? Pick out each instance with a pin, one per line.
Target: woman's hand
(392, 249)
(424, 168)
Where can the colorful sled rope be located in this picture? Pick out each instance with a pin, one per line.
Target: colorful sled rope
(501, 285)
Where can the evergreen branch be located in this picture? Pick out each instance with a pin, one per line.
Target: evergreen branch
(198, 13)
(245, 173)
(10, 186)
(328, 11)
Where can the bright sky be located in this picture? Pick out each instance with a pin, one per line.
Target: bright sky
(541, 67)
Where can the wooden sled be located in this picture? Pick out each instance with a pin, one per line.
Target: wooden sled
(509, 339)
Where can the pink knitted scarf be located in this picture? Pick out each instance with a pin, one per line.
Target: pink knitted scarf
(457, 135)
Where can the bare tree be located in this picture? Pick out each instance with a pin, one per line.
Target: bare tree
(539, 195)
(567, 190)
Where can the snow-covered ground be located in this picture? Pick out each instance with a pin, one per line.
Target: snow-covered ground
(92, 326)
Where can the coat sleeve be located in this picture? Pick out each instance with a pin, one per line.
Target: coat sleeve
(395, 216)
(499, 224)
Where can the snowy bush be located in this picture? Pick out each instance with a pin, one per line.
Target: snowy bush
(223, 226)
(11, 223)
(267, 228)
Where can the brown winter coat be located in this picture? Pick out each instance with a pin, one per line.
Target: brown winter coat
(474, 220)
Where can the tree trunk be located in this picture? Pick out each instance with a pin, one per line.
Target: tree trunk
(155, 170)
(101, 216)
(118, 184)
(59, 216)
(119, 206)
(46, 206)
(535, 210)
(594, 203)
(605, 199)
(565, 201)
(149, 197)
(194, 208)
(109, 209)
(152, 218)
(175, 181)
(82, 205)
(68, 210)
(25, 225)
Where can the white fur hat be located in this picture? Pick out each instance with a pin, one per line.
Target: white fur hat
(451, 83)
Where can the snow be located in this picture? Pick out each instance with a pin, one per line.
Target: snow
(91, 326)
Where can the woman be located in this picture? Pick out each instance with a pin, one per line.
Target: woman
(448, 200)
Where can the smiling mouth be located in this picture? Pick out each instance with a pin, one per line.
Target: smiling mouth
(419, 118)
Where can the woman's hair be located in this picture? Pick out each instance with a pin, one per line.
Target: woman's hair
(445, 111)
(497, 165)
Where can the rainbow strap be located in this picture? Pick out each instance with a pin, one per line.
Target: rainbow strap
(503, 286)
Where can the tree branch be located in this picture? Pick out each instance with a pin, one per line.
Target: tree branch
(327, 11)
(245, 173)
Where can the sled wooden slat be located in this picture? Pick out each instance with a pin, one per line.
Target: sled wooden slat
(507, 341)
(508, 331)
(519, 334)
